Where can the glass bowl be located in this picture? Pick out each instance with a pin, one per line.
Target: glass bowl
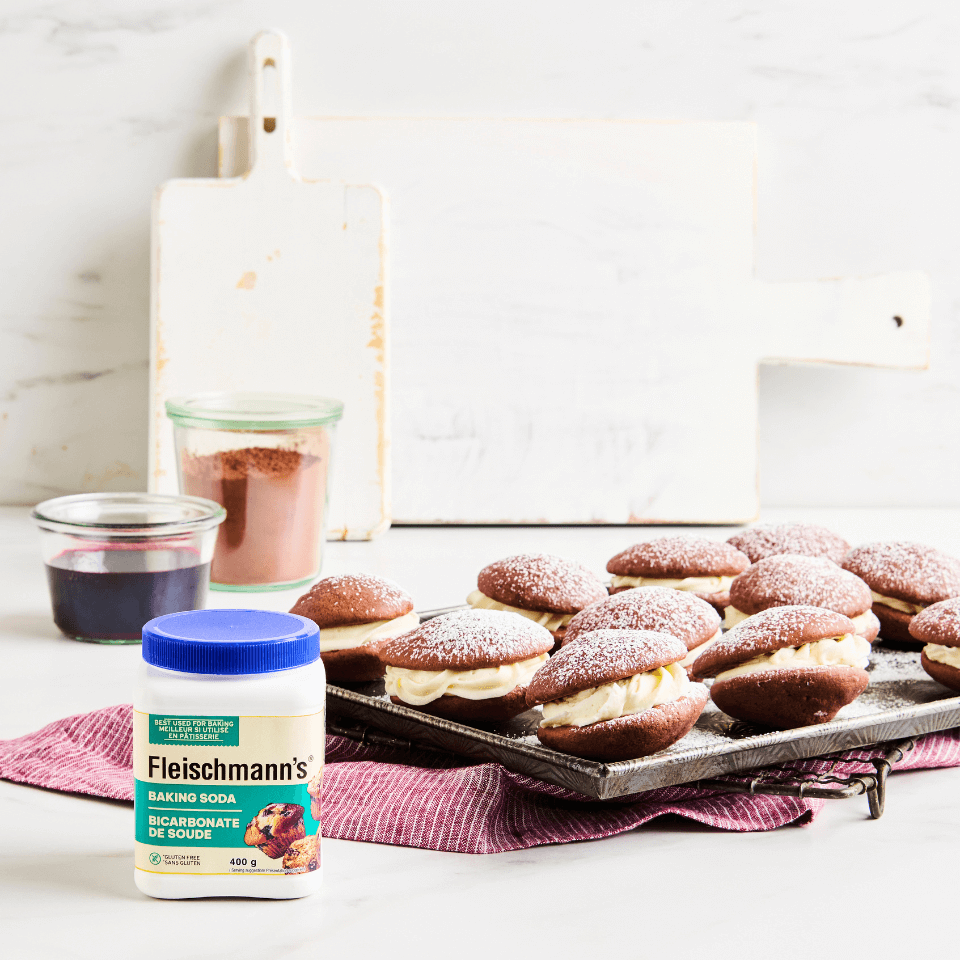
(265, 457)
(116, 560)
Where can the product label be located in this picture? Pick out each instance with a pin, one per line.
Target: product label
(227, 795)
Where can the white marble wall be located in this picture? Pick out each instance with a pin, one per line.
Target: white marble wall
(859, 112)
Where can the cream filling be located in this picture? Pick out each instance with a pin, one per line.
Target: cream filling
(696, 651)
(424, 686)
(621, 698)
(850, 650)
(552, 621)
(733, 616)
(894, 604)
(705, 585)
(360, 634)
(948, 655)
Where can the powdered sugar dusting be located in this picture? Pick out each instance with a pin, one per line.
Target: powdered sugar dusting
(377, 588)
(770, 630)
(939, 623)
(353, 598)
(805, 539)
(906, 571)
(540, 581)
(467, 640)
(676, 612)
(791, 580)
(602, 657)
(678, 557)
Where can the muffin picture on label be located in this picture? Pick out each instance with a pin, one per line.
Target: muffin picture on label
(303, 856)
(705, 568)
(472, 665)
(355, 613)
(275, 828)
(315, 789)
(545, 589)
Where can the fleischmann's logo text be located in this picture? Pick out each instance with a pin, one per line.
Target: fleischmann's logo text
(219, 771)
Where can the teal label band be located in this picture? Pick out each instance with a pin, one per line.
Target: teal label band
(169, 815)
(195, 731)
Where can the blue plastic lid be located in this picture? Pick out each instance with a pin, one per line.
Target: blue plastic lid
(230, 642)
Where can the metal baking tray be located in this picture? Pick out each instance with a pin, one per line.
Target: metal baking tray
(902, 701)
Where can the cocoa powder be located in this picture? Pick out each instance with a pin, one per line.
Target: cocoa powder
(274, 501)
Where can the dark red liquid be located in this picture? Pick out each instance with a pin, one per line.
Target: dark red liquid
(110, 593)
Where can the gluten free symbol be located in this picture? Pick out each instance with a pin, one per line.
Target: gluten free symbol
(154, 858)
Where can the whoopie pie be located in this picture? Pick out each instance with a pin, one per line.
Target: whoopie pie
(545, 589)
(682, 615)
(616, 695)
(705, 568)
(471, 665)
(787, 580)
(938, 626)
(903, 579)
(803, 539)
(787, 667)
(355, 612)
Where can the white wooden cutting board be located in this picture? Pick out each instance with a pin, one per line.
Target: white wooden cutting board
(267, 281)
(577, 322)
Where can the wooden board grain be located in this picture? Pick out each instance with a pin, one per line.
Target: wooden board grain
(578, 324)
(268, 281)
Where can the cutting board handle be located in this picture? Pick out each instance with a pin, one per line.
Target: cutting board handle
(270, 126)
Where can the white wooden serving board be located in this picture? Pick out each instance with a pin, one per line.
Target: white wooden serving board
(577, 322)
(267, 281)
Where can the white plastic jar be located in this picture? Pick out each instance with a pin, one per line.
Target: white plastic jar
(228, 740)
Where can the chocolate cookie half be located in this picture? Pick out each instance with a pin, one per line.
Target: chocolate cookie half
(788, 580)
(682, 615)
(799, 539)
(355, 612)
(903, 579)
(616, 695)
(787, 667)
(545, 589)
(938, 626)
(472, 665)
(705, 568)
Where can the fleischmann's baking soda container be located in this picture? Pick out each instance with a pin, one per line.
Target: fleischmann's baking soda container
(228, 738)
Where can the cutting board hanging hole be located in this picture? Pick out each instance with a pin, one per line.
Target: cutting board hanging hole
(270, 101)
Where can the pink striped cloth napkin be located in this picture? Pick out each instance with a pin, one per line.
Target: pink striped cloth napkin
(381, 795)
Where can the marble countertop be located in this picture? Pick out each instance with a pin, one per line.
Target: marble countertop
(839, 887)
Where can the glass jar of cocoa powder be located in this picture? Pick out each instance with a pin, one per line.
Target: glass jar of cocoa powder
(265, 458)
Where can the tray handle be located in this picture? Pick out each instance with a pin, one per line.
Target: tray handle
(824, 786)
